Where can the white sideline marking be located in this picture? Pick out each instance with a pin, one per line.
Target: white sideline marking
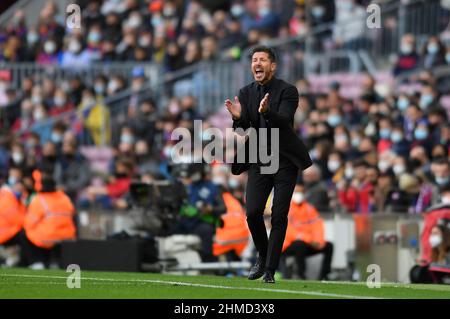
(298, 292)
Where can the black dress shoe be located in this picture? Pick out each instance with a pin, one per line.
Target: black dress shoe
(269, 277)
(257, 271)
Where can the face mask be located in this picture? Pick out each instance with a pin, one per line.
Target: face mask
(349, 173)
(425, 100)
(383, 166)
(99, 88)
(233, 183)
(406, 48)
(318, 11)
(32, 38)
(445, 200)
(219, 180)
(168, 11)
(398, 169)
(298, 197)
(333, 166)
(94, 37)
(384, 133)
(38, 115)
(396, 137)
(74, 47)
(356, 141)
(167, 151)
(441, 180)
(347, 5)
(435, 240)
(237, 10)
(49, 47)
(263, 12)
(59, 101)
(206, 136)
(341, 138)
(334, 120)
(125, 138)
(156, 21)
(370, 130)
(36, 99)
(402, 104)
(134, 22)
(56, 138)
(12, 180)
(447, 58)
(196, 177)
(17, 157)
(432, 48)
(113, 86)
(420, 134)
(144, 42)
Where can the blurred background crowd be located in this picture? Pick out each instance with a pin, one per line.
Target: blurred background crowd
(379, 140)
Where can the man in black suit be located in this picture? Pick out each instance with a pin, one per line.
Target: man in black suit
(268, 103)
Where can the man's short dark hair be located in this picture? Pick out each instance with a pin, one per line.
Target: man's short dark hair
(266, 49)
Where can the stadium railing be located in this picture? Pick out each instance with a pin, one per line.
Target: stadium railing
(19, 71)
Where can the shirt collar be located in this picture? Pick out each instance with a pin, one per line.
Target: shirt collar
(268, 85)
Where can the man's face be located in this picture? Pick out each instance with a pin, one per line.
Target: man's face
(262, 67)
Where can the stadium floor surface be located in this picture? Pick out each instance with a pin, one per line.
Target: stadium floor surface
(50, 284)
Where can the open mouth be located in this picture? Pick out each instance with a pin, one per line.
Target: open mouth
(259, 72)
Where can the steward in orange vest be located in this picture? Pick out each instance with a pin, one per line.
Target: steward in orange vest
(305, 234)
(49, 217)
(12, 214)
(234, 234)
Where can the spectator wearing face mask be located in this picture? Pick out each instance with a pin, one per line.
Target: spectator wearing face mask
(18, 158)
(95, 117)
(400, 145)
(440, 243)
(48, 53)
(433, 54)
(316, 191)
(336, 166)
(60, 103)
(408, 58)
(358, 196)
(305, 235)
(75, 55)
(74, 172)
(106, 196)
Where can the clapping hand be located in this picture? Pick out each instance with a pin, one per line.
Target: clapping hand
(264, 104)
(234, 108)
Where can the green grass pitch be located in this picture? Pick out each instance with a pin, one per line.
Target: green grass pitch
(49, 284)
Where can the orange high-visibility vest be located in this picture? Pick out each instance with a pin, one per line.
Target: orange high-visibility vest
(234, 234)
(49, 219)
(305, 224)
(12, 214)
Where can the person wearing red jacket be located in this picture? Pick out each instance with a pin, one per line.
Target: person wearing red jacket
(358, 197)
(305, 235)
(118, 186)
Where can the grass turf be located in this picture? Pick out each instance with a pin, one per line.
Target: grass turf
(24, 283)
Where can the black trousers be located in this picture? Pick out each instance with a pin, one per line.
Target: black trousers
(258, 189)
(29, 253)
(301, 250)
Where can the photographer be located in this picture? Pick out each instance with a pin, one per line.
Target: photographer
(201, 213)
(435, 241)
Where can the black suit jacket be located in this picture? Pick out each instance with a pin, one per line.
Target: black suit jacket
(283, 102)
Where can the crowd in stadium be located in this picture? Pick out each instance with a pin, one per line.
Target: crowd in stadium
(398, 135)
(374, 153)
